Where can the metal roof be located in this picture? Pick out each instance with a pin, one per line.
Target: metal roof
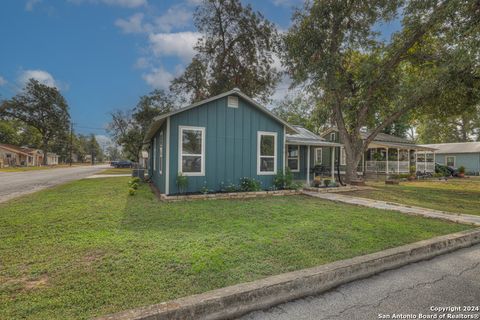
(158, 121)
(459, 147)
(306, 137)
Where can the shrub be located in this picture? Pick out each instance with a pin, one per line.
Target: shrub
(182, 183)
(283, 180)
(327, 182)
(231, 188)
(461, 169)
(250, 184)
(134, 182)
(204, 188)
(131, 191)
(134, 186)
(438, 174)
(413, 169)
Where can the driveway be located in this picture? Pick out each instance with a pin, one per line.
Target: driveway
(451, 280)
(15, 184)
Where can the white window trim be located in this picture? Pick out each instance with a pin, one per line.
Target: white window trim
(334, 134)
(454, 161)
(180, 151)
(154, 154)
(292, 158)
(343, 159)
(259, 136)
(160, 153)
(321, 156)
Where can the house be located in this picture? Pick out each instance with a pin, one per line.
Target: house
(11, 155)
(387, 154)
(466, 154)
(218, 141)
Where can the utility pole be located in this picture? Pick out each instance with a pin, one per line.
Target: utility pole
(71, 142)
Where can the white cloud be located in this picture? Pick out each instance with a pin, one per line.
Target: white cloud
(158, 78)
(286, 3)
(142, 63)
(179, 44)
(40, 75)
(119, 3)
(132, 24)
(30, 4)
(175, 17)
(2, 81)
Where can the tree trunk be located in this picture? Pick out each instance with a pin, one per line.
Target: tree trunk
(45, 148)
(353, 155)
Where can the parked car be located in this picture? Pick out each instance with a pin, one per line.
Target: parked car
(446, 170)
(113, 163)
(123, 164)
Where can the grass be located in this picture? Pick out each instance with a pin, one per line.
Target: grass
(116, 171)
(24, 169)
(87, 248)
(454, 195)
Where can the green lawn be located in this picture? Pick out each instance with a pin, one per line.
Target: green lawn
(117, 171)
(87, 248)
(454, 195)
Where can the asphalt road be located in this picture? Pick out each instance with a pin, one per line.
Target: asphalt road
(15, 184)
(445, 281)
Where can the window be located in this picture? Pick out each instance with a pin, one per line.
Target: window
(343, 157)
(160, 152)
(318, 156)
(191, 151)
(333, 136)
(293, 158)
(154, 155)
(450, 161)
(266, 153)
(232, 102)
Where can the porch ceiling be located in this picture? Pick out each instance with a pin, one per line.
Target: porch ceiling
(394, 145)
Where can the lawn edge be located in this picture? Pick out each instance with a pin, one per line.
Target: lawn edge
(236, 300)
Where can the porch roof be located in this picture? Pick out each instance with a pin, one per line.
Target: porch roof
(306, 137)
(395, 145)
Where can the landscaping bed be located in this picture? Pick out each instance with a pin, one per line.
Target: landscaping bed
(456, 195)
(88, 248)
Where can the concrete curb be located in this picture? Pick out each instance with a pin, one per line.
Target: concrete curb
(234, 301)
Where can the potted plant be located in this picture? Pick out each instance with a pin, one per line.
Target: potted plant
(317, 181)
(327, 182)
(461, 172)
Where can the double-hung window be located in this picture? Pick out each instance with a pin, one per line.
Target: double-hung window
(450, 161)
(293, 158)
(266, 153)
(160, 152)
(154, 154)
(191, 151)
(318, 156)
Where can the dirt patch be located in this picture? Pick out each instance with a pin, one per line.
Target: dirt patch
(25, 283)
(92, 257)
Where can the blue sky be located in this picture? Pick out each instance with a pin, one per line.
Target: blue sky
(104, 54)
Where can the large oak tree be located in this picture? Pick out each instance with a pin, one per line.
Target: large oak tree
(429, 67)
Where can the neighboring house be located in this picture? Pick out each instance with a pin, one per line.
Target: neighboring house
(466, 154)
(218, 141)
(12, 156)
(387, 154)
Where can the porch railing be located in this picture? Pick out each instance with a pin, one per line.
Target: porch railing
(426, 166)
(393, 166)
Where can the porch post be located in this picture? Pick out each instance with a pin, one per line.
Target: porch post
(363, 163)
(386, 169)
(425, 161)
(308, 166)
(398, 160)
(332, 165)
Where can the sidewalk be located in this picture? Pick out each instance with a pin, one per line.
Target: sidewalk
(430, 213)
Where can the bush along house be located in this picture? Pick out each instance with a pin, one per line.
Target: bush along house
(217, 142)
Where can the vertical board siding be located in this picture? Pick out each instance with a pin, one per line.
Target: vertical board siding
(157, 178)
(230, 144)
(471, 161)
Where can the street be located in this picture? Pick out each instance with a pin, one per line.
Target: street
(451, 280)
(15, 184)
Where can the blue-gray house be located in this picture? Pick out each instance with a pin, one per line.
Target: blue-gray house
(466, 154)
(218, 141)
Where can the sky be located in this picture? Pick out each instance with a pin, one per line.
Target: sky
(104, 54)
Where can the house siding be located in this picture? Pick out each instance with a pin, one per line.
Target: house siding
(230, 144)
(471, 161)
(157, 177)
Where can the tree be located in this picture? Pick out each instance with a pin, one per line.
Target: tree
(300, 110)
(236, 50)
(429, 67)
(16, 132)
(129, 128)
(43, 108)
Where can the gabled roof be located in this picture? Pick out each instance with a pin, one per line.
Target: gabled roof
(457, 147)
(307, 137)
(17, 149)
(158, 121)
